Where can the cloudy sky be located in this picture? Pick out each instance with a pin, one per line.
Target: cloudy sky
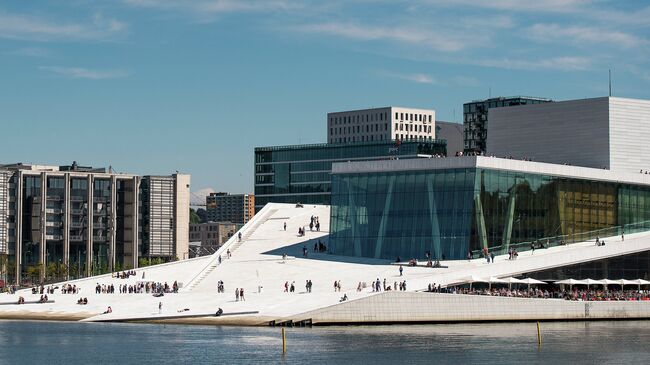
(154, 86)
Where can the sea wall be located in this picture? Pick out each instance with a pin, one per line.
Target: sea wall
(406, 307)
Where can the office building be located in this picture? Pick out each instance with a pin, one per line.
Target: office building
(235, 208)
(301, 174)
(475, 119)
(381, 124)
(606, 132)
(74, 221)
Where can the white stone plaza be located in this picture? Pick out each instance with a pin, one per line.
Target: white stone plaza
(258, 265)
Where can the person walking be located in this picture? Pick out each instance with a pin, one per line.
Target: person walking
(159, 307)
(241, 294)
(401, 270)
(236, 294)
(285, 226)
(532, 248)
(492, 256)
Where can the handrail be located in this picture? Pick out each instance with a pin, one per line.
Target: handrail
(567, 239)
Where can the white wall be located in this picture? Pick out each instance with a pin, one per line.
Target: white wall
(575, 132)
(182, 216)
(629, 134)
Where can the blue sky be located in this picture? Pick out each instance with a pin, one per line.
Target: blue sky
(154, 86)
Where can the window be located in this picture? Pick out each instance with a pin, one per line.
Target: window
(396, 126)
(401, 116)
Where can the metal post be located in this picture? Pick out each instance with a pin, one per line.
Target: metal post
(284, 342)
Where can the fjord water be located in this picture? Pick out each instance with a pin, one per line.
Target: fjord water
(27, 342)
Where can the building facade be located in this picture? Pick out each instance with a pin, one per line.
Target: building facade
(605, 132)
(381, 124)
(475, 119)
(73, 221)
(213, 233)
(456, 205)
(235, 208)
(301, 174)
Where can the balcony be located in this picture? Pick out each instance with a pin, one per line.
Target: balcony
(77, 238)
(77, 224)
(76, 198)
(100, 238)
(53, 237)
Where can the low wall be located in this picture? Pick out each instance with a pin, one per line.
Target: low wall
(404, 307)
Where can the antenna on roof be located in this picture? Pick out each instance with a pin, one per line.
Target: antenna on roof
(610, 82)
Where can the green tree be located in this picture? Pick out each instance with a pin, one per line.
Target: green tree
(34, 273)
(194, 218)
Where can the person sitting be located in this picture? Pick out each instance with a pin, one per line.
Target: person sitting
(344, 298)
(21, 300)
(80, 301)
(109, 310)
(85, 301)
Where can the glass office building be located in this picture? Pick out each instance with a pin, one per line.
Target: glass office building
(454, 205)
(301, 174)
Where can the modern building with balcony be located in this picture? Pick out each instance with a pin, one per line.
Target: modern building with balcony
(74, 221)
(301, 173)
(235, 208)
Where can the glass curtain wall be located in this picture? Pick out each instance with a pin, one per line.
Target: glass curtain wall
(450, 212)
(31, 230)
(78, 230)
(101, 226)
(55, 268)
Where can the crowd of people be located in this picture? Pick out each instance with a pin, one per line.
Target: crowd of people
(124, 274)
(574, 294)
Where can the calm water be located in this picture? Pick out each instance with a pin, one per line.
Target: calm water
(73, 343)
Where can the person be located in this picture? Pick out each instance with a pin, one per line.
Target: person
(344, 298)
(236, 294)
(228, 253)
(241, 294)
(492, 256)
(108, 310)
(285, 226)
(532, 248)
(304, 250)
(469, 255)
(239, 236)
(159, 307)
(597, 241)
(622, 235)
(401, 269)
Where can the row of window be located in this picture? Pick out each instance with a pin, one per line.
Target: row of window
(372, 117)
(413, 128)
(413, 117)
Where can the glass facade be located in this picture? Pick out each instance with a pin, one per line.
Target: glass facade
(475, 119)
(301, 174)
(450, 212)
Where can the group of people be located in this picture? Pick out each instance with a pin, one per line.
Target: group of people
(513, 254)
(70, 289)
(239, 294)
(575, 294)
(289, 288)
(124, 274)
(314, 223)
(82, 301)
(337, 285)
(220, 287)
(320, 247)
(43, 299)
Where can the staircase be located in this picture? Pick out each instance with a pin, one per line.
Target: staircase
(232, 244)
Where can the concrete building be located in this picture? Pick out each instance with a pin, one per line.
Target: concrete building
(381, 124)
(475, 119)
(607, 132)
(235, 208)
(74, 221)
(453, 134)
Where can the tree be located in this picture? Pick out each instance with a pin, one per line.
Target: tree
(194, 218)
(203, 214)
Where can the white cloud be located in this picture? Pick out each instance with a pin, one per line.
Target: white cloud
(14, 26)
(554, 6)
(84, 73)
(413, 77)
(565, 63)
(30, 52)
(215, 6)
(581, 34)
(418, 36)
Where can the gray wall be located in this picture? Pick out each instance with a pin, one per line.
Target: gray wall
(453, 133)
(574, 132)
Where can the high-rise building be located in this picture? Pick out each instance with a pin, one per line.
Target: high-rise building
(234, 208)
(74, 221)
(381, 124)
(301, 174)
(452, 133)
(475, 119)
